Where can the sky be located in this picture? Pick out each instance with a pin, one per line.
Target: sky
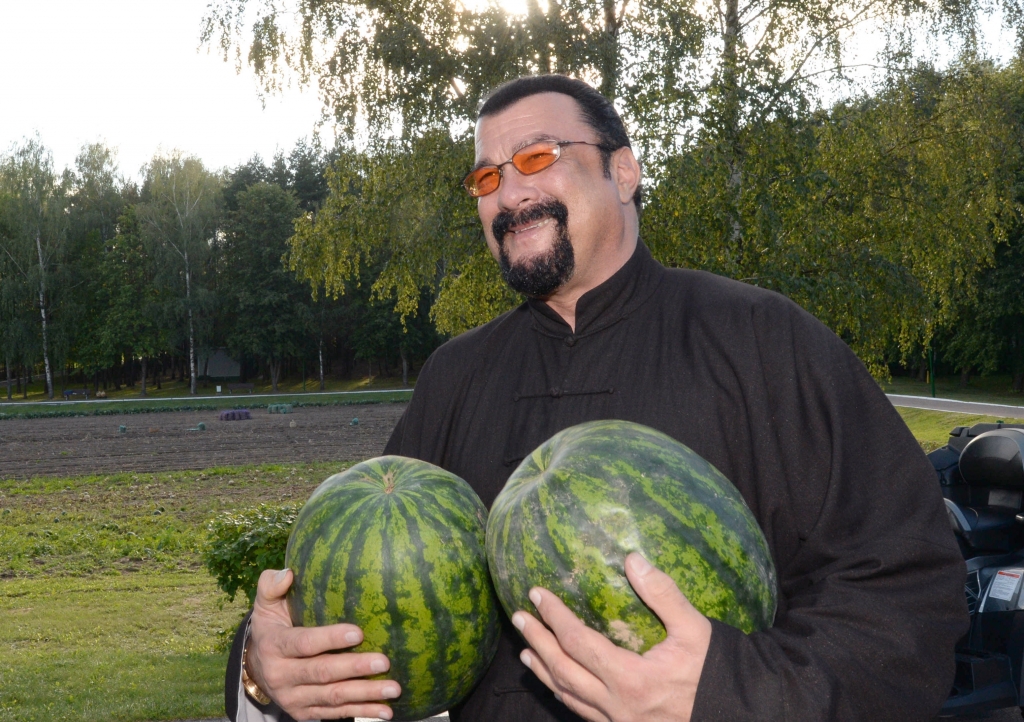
(130, 73)
(127, 72)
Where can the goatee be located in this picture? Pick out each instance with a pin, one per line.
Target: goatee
(541, 275)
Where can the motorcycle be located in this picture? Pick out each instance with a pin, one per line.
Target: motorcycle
(981, 473)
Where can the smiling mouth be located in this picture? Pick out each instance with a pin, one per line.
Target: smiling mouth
(530, 227)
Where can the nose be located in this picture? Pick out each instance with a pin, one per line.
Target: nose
(516, 189)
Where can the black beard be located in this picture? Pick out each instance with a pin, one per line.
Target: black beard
(536, 276)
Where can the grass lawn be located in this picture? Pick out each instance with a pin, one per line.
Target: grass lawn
(931, 428)
(107, 612)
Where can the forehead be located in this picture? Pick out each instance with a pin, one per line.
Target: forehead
(542, 116)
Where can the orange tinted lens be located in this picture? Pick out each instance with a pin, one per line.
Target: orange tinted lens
(482, 181)
(535, 158)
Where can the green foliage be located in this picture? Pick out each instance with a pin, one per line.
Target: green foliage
(271, 318)
(242, 544)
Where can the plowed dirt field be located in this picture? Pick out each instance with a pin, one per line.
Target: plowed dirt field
(167, 441)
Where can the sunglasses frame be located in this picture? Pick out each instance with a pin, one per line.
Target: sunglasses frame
(556, 149)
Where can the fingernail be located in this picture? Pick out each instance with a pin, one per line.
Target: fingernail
(518, 621)
(535, 597)
(385, 713)
(558, 696)
(640, 565)
(279, 577)
(525, 658)
(352, 637)
(378, 665)
(390, 691)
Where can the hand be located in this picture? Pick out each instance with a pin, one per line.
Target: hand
(603, 682)
(296, 666)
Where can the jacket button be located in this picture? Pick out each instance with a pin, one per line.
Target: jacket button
(570, 340)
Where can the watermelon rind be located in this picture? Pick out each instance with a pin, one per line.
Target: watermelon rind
(593, 493)
(396, 546)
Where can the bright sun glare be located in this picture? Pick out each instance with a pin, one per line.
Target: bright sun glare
(512, 7)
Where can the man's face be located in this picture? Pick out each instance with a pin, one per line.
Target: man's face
(545, 228)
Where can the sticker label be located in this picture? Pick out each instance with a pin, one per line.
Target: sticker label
(1005, 584)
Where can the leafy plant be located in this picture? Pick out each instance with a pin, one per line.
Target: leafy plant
(242, 544)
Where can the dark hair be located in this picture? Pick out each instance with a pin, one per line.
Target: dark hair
(598, 112)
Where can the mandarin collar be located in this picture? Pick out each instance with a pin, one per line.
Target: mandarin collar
(605, 304)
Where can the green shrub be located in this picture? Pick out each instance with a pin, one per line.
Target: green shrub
(242, 544)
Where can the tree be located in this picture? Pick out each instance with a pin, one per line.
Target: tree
(35, 235)
(891, 200)
(271, 315)
(130, 296)
(180, 211)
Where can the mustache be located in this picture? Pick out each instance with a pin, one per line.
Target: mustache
(507, 219)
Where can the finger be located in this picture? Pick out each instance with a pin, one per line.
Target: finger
(328, 669)
(561, 673)
(530, 658)
(372, 711)
(660, 592)
(338, 700)
(590, 648)
(300, 642)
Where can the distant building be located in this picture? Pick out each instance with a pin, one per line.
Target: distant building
(216, 365)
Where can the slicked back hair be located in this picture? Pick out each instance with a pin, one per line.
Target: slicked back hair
(597, 111)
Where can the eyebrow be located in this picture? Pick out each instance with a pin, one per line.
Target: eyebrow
(483, 163)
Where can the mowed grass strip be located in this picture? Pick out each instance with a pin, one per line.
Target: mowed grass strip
(931, 428)
(106, 611)
(132, 647)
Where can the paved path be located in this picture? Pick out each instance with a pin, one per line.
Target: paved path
(964, 407)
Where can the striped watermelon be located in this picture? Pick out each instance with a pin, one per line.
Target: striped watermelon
(396, 546)
(588, 496)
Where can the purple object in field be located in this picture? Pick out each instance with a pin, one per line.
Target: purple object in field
(235, 415)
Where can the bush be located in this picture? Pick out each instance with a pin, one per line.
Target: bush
(242, 544)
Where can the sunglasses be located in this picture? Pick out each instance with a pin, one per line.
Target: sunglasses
(531, 159)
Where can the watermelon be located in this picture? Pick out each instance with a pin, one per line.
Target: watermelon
(593, 493)
(396, 546)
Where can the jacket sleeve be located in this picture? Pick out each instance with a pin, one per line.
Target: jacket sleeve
(871, 587)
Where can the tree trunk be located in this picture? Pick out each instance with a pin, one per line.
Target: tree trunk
(730, 124)
(7, 365)
(405, 366)
(965, 376)
(142, 389)
(1018, 382)
(321, 355)
(609, 51)
(42, 312)
(275, 371)
(191, 329)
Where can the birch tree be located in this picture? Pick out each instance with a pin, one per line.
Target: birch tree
(180, 211)
(34, 235)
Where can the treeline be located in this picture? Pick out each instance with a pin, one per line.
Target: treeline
(108, 282)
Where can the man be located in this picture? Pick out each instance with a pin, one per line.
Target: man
(870, 579)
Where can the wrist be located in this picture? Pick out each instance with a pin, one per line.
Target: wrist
(252, 688)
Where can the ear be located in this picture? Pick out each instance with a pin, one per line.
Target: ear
(626, 173)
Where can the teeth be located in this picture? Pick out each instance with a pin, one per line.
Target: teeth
(535, 225)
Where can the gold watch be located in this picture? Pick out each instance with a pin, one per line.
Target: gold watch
(251, 688)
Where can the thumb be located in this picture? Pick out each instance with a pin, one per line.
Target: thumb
(659, 592)
(272, 588)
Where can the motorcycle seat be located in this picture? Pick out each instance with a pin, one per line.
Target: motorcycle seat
(983, 528)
